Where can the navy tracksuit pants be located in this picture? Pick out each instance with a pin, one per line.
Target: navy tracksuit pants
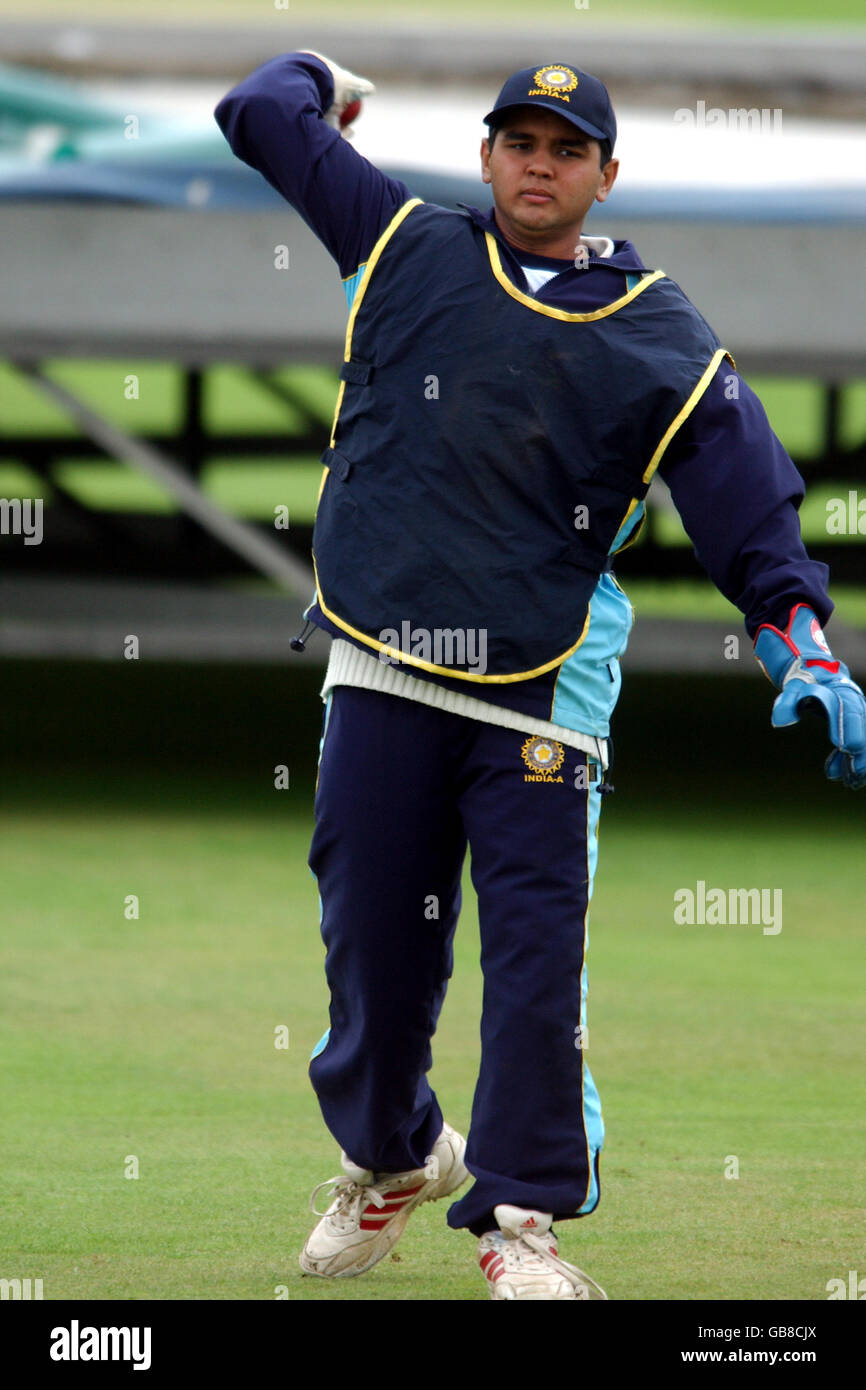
(402, 789)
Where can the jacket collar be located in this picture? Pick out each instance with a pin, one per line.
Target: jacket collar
(624, 257)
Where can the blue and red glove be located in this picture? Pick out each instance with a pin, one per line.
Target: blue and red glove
(801, 665)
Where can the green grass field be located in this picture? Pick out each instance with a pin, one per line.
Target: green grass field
(153, 1039)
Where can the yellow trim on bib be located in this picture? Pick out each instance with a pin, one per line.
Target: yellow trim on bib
(368, 266)
(633, 537)
(444, 670)
(685, 412)
(665, 440)
(325, 471)
(496, 267)
(361, 291)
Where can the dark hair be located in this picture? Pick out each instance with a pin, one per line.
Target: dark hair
(604, 150)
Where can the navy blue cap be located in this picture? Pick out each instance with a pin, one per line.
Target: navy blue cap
(578, 96)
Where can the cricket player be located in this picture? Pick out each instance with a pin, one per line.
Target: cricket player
(509, 388)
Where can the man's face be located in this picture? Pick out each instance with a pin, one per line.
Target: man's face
(545, 176)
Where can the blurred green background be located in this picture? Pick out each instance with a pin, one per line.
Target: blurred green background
(636, 12)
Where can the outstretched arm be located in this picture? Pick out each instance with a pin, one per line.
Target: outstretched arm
(738, 494)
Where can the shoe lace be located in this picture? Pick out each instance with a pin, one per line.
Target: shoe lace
(348, 1195)
(585, 1287)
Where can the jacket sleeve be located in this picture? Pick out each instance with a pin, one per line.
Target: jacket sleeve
(273, 121)
(738, 494)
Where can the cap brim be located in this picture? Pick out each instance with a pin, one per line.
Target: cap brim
(579, 121)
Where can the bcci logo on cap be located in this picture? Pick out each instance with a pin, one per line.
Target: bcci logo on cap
(543, 757)
(554, 82)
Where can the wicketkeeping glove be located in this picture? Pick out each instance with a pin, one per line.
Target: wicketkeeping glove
(348, 91)
(801, 665)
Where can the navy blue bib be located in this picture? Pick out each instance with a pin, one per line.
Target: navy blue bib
(487, 449)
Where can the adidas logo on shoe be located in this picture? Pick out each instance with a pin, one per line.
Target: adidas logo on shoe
(520, 1260)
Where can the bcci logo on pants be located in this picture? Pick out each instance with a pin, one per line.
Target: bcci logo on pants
(543, 757)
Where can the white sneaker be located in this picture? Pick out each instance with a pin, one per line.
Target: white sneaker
(520, 1260)
(368, 1215)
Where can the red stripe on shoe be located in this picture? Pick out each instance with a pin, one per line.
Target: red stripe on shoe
(488, 1259)
(406, 1192)
(495, 1268)
(374, 1225)
(390, 1210)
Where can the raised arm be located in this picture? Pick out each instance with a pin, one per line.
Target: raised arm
(278, 120)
